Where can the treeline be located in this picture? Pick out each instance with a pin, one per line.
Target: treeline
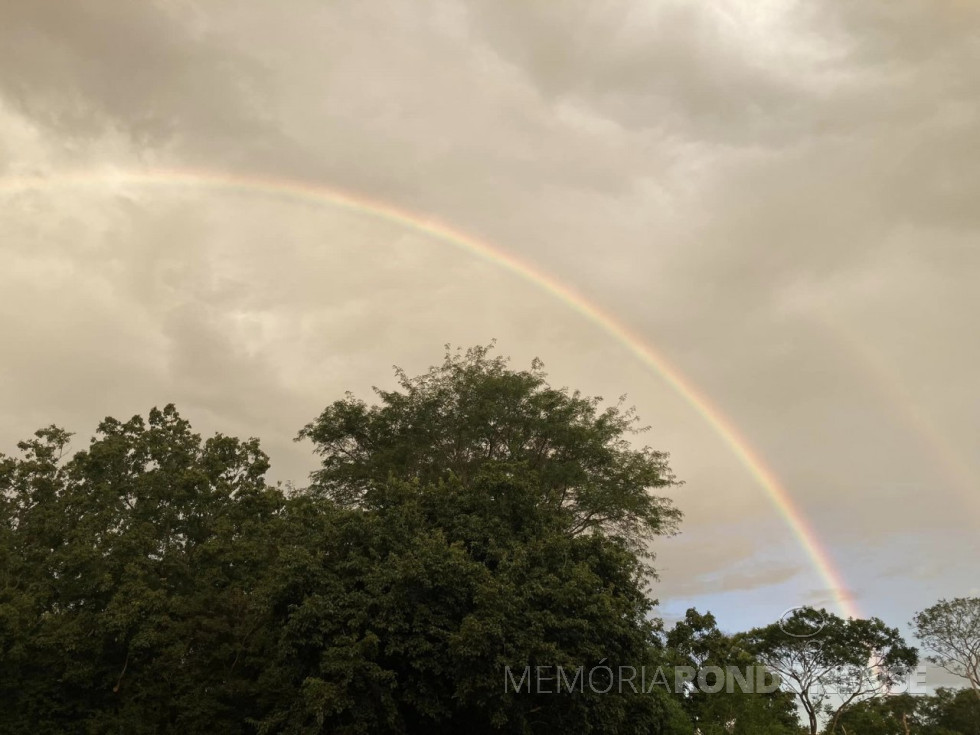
(947, 712)
(473, 522)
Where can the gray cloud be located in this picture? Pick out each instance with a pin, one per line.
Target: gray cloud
(158, 71)
(752, 188)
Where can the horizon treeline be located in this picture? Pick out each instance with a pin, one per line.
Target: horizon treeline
(472, 523)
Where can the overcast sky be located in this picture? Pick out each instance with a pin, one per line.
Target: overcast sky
(781, 198)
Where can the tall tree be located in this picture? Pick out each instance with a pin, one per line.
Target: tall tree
(472, 412)
(697, 643)
(475, 523)
(830, 663)
(951, 630)
(407, 618)
(513, 519)
(130, 571)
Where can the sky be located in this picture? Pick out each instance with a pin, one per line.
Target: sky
(777, 198)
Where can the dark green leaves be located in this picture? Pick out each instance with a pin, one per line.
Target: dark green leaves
(474, 520)
(472, 415)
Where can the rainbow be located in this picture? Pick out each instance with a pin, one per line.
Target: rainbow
(887, 383)
(315, 193)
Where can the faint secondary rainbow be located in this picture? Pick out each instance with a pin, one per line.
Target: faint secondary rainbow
(317, 194)
(889, 385)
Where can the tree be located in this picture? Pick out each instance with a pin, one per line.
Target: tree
(830, 663)
(406, 618)
(130, 576)
(476, 522)
(951, 630)
(950, 712)
(696, 642)
(512, 519)
(891, 715)
(947, 712)
(472, 412)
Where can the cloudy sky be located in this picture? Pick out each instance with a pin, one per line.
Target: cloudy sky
(780, 198)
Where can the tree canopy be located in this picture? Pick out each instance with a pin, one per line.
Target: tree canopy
(471, 418)
(951, 630)
(472, 525)
(832, 663)
(697, 641)
(133, 578)
(947, 712)
(154, 582)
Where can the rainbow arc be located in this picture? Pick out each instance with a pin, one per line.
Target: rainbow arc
(315, 193)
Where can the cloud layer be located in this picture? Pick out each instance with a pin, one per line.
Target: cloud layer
(779, 197)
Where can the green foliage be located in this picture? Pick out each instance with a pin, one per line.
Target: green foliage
(129, 599)
(697, 642)
(882, 716)
(948, 712)
(474, 522)
(155, 583)
(472, 413)
(508, 517)
(831, 663)
(420, 633)
(951, 630)
(951, 712)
